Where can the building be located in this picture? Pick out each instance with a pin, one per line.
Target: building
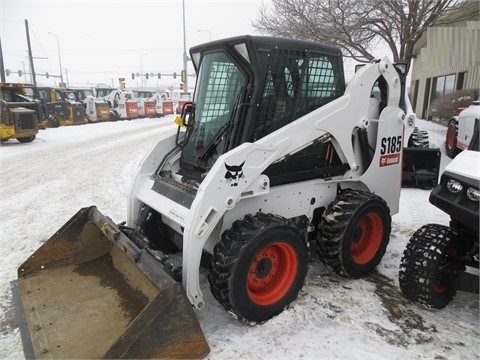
(447, 57)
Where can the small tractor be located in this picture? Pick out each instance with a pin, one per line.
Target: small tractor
(96, 110)
(163, 103)
(19, 114)
(146, 105)
(272, 155)
(61, 111)
(122, 104)
(440, 260)
(185, 97)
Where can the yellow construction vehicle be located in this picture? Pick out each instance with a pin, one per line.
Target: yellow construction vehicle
(62, 111)
(19, 114)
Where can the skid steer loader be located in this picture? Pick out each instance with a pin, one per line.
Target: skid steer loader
(273, 154)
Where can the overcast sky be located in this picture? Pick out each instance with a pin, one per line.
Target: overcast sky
(102, 40)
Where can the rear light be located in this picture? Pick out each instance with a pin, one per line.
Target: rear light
(473, 194)
(454, 186)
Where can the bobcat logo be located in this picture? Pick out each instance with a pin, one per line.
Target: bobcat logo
(234, 173)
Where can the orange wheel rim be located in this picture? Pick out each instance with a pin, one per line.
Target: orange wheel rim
(450, 137)
(272, 273)
(367, 238)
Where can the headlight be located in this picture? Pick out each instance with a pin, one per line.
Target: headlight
(473, 194)
(454, 186)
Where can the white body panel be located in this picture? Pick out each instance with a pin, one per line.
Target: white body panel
(466, 123)
(466, 164)
(118, 100)
(217, 203)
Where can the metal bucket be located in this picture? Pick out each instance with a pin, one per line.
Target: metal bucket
(90, 292)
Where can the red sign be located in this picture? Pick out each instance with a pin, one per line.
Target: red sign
(391, 159)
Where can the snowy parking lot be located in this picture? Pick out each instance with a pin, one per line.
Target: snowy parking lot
(45, 182)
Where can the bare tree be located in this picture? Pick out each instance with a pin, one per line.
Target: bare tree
(356, 26)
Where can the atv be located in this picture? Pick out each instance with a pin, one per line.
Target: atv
(440, 260)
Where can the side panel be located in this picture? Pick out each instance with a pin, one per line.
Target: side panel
(146, 169)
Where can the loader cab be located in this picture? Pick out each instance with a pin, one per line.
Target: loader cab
(54, 101)
(248, 87)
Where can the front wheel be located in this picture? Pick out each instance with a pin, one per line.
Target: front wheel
(428, 269)
(355, 231)
(258, 267)
(451, 139)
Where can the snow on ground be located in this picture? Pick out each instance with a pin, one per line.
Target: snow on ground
(46, 182)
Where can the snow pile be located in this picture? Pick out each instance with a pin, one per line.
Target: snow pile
(46, 182)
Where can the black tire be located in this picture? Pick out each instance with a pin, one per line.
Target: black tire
(113, 115)
(53, 121)
(451, 139)
(258, 267)
(355, 230)
(26, 139)
(419, 139)
(427, 274)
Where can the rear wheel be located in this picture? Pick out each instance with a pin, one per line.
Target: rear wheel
(427, 269)
(451, 139)
(26, 139)
(355, 231)
(258, 267)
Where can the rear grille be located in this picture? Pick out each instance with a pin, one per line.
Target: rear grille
(78, 114)
(25, 121)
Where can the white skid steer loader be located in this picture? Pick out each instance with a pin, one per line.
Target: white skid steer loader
(272, 154)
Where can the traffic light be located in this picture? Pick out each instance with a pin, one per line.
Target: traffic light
(146, 75)
(159, 75)
(7, 72)
(133, 76)
(20, 72)
(46, 74)
(181, 86)
(174, 75)
(184, 76)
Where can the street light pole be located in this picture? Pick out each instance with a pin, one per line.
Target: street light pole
(59, 59)
(141, 71)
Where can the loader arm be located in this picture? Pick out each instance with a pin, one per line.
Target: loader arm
(339, 118)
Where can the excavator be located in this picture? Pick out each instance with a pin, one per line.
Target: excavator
(274, 154)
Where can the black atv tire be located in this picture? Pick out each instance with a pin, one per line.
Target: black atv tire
(355, 231)
(258, 267)
(427, 274)
(451, 139)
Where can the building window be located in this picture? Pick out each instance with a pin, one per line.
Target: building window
(461, 80)
(443, 85)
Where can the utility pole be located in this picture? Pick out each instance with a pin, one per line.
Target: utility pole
(185, 57)
(62, 84)
(2, 67)
(30, 57)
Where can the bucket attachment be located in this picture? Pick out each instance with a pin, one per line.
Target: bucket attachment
(90, 292)
(421, 167)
